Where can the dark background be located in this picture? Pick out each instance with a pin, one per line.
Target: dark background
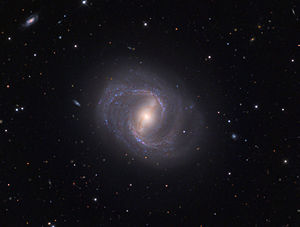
(57, 170)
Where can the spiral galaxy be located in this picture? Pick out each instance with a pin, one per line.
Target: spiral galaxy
(149, 116)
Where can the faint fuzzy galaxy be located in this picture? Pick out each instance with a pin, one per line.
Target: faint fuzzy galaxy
(31, 20)
(150, 116)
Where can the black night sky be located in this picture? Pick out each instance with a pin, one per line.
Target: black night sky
(237, 62)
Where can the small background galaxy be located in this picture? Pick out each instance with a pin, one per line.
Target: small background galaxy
(149, 113)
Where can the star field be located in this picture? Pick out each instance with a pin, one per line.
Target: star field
(85, 143)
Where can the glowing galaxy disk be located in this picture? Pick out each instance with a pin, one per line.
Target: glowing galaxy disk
(31, 20)
(149, 116)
